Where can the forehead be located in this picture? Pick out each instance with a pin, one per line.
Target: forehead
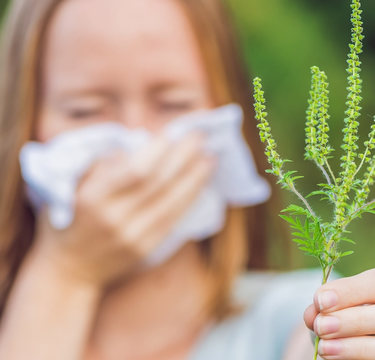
(86, 33)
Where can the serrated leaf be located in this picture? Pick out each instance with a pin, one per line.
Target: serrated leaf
(303, 248)
(288, 219)
(317, 232)
(307, 227)
(299, 234)
(298, 223)
(300, 242)
(296, 210)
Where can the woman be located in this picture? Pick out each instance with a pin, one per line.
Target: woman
(73, 294)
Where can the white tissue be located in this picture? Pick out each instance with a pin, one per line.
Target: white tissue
(51, 171)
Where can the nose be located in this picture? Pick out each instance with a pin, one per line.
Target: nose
(133, 115)
(137, 114)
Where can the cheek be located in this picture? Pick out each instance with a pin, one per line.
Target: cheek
(44, 129)
(159, 116)
(49, 125)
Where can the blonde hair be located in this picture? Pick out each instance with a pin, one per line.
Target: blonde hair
(20, 65)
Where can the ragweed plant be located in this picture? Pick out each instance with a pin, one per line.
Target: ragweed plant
(349, 190)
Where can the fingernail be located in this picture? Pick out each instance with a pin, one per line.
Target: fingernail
(329, 347)
(326, 325)
(327, 299)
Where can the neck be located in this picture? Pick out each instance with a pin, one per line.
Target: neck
(159, 311)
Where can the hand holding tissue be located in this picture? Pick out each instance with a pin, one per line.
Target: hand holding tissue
(52, 170)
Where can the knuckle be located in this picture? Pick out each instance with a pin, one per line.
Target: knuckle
(128, 235)
(133, 239)
(141, 250)
(84, 199)
(137, 173)
(109, 221)
(87, 194)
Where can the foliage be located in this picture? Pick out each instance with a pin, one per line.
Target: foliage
(349, 192)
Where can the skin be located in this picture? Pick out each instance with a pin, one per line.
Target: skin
(91, 303)
(84, 298)
(345, 323)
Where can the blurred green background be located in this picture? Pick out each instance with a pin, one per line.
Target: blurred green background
(281, 40)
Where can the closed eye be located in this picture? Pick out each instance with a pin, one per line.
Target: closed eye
(178, 106)
(84, 113)
(86, 106)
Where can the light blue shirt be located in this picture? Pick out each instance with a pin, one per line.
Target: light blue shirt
(274, 307)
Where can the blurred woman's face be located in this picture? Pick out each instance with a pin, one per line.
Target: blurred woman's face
(136, 62)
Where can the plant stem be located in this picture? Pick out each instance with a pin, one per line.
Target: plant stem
(316, 347)
(363, 160)
(330, 171)
(326, 272)
(321, 167)
(350, 217)
(324, 173)
(293, 188)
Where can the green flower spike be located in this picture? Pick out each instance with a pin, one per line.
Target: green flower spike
(349, 192)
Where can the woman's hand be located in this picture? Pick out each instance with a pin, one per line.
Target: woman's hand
(343, 315)
(125, 206)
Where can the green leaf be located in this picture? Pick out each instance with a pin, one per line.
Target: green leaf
(347, 240)
(297, 177)
(296, 210)
(299, 234)
(289, 219)
(318, 192)
(325, 186)
(349, 193)
(289, 173)
(303, 248)
(346, 253)
(302, 242)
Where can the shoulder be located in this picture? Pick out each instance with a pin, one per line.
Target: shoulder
(274, 305)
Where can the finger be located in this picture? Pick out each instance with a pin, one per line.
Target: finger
(159, 161)
(309, 316)
(166, 211)
(358, 348)
(346, 292)
(350, 322)
(182, 158)
(120, 170)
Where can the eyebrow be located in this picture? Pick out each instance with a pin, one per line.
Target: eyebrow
(69, 94)
(170, 86)
(110, 96)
